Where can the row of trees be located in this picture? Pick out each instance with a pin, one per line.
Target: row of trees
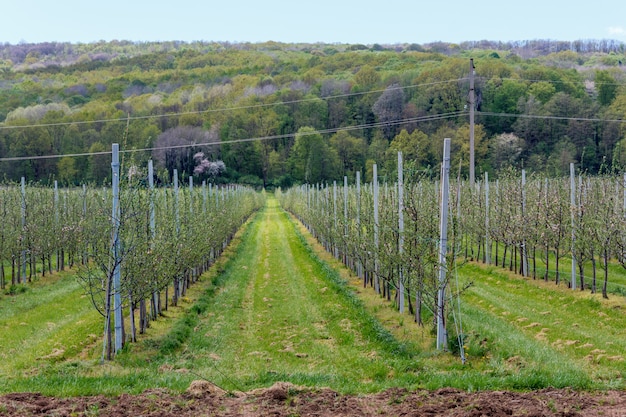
(166, 238)
(389, 233)
(40, 231)
(535, 113)
(532, 225)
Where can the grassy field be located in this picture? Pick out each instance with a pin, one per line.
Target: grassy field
(277, 308)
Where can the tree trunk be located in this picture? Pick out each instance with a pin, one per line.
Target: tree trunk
(144, 320)
(534, 262)
(154, 304)
(545, 277)
(606, 274)
(497, 245)
(32, 272)
(557, 255)
(593, 273)
(131, 309)
(582, 275)
(108, 337)
(418, 308)
(175, 292)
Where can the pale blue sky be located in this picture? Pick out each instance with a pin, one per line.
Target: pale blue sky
(367, 22)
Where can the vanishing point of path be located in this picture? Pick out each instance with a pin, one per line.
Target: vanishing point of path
(281, 314)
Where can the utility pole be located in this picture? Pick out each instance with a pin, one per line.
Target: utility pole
(471, 115)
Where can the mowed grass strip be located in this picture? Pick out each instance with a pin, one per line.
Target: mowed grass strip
(555, 336)
(49, 322)
(520, 333)
(282, 314)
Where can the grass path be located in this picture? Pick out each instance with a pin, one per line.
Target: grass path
(278, 308)
(285, 315)
(558, 333)
(35, 324)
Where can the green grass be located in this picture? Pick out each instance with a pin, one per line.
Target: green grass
(276, 309)
(617, 273)
(45, 324)
(282, 314)
(563, 337)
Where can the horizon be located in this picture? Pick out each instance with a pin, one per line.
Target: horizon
(513, 41)
(398, 22)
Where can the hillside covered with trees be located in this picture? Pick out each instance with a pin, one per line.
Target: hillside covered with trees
(272, 114)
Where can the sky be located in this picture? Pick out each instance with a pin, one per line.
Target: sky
(326, 21)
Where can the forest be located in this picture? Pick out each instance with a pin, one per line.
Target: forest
(273, 114)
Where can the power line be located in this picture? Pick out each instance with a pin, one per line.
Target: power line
(320, 132)
(529, 80)
(253, 139)
(537, 116)
(225, 109)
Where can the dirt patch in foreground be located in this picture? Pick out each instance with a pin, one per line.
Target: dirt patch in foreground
(283, 399)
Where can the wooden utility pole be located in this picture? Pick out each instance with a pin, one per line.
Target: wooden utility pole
(471, 115)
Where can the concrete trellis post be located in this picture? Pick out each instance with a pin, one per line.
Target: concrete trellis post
(376, 237)
(400, 233)
(117, 296)
(442, 337)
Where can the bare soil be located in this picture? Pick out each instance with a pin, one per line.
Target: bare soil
(284, 399)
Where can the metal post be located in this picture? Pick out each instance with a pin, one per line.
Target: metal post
(443, 246)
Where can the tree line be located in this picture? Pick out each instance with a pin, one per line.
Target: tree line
(241, 108)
